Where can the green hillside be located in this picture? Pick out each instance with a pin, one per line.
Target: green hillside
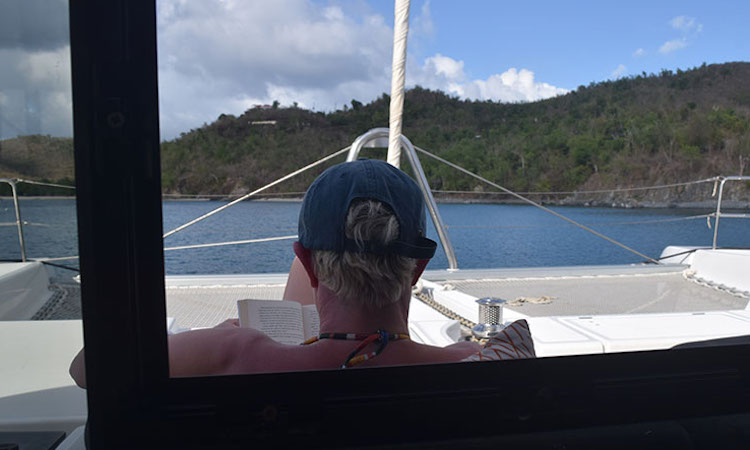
(642, 130)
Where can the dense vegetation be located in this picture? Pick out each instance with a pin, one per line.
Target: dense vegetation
(37, 158)
(640, 130)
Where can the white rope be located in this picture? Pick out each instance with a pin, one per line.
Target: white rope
(219, 244)
(543, 208)
(246, 196)
(398, 77)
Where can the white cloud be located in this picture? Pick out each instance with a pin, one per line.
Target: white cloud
(222, 57)
(688, 27)
(445, 66)
(674, 44)
(685, 24)
(423, 25)
(513, 85)
(36, 97)
(639, 52)
(618, 72)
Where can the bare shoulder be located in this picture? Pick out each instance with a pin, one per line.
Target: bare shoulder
(209, 337)
(212, 351)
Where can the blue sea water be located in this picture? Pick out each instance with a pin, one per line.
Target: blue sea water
(483, 235)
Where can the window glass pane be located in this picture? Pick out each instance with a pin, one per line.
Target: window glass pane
(40, 311)
(622, 135)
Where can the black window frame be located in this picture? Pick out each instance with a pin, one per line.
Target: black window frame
(134, 404)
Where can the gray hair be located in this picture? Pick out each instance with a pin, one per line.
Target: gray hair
(371, 280)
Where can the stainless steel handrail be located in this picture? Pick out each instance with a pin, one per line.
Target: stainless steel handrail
(19, 222)
(718, 212)
(379, 136)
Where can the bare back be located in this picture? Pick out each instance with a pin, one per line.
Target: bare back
(234, 350)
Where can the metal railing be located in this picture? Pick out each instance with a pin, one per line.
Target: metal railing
(718, 214)
(377, 137)
(19, 222)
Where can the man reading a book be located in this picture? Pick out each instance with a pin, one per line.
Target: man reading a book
(361, 248)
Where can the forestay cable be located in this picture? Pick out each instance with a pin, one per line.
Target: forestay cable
(533, 203)
(246, 196)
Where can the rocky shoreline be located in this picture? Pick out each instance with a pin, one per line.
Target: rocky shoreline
(619, 203)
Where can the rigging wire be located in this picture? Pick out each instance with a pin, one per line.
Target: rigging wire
(672, 255)
(246, 196)
(39, 183)
(186, 247)
(61, 258)
(61, 266)
(594, 191)
(635, 222)
(220, 196)
(533, 203)
(219, 244)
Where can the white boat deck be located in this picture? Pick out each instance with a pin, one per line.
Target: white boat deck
(645, 289)
(36, 392)
(570, 310)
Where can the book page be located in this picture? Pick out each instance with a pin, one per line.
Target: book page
(281, 320)
(311, 321)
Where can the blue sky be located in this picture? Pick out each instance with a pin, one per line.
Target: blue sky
(226, 56)
(568, 44)
(331, 51)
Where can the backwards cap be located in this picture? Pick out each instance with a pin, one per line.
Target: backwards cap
(322, 219)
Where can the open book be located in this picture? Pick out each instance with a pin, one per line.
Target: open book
(284, 321)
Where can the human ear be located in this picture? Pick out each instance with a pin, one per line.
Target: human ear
(305, 257)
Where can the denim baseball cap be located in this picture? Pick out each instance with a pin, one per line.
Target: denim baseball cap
(322, 218)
